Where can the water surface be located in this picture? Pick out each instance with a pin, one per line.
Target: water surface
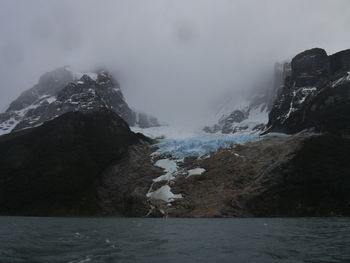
(31, 239)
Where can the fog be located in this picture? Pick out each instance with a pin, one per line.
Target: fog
(173, 58)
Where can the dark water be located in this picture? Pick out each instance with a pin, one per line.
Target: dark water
(24, 239)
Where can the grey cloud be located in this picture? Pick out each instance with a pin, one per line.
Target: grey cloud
(173, 58)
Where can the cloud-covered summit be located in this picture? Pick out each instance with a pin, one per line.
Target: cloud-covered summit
(172, 58)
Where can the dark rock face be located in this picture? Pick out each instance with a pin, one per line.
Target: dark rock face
(310, 67)
(301, 175)
(315, 96)
(340, 61)
(236, 116)
(315, 182)
(62, 91)
(49, 84)
(125, 184)
(55, 169)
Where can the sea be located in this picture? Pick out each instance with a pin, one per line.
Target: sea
(78, 240)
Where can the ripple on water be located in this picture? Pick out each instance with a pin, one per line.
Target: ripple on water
(45, 240)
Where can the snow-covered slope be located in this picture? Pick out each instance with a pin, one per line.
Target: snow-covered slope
(249, 112)
(248, 116)
(63, 90)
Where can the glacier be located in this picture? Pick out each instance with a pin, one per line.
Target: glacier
(180, 144)
(176, 143)
(201, 145)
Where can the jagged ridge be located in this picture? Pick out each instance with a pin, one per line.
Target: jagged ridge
(61, 91)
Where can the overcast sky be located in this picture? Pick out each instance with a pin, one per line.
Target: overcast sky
(173, 57)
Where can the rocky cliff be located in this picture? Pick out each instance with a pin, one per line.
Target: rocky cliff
(315, 96)
(310, 92)
(62, 91)
(57, 168)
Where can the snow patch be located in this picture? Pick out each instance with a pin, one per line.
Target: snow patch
(50, 99)
(341, 80)
(299, 97)
(231, 104)
(305, 92)
(23, 111)
(258, 115)
(164, 193)
(291, 109)
(170, 166)
(196, 171)
(8, 126)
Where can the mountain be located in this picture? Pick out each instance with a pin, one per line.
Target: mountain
(250, 116)
(61, 91)
(301, 174)
(249, 113)
(72, 152)
(316, 94)
(56, 168)
(310, 92)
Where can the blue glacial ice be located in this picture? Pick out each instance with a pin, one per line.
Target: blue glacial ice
(201, 145)
(180, 143)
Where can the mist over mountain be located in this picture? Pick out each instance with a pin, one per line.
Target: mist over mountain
(119, 114)
(173, 59)
(249, 90)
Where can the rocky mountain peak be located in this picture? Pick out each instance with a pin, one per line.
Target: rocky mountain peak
(249, 113)
(310, 67)
(49, 84)
(310, 91)
(250, 116)
(61, 91)
(315, 95)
